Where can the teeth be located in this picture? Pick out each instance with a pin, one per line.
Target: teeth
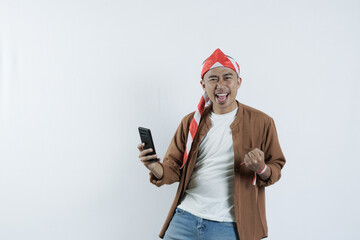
(222, 94)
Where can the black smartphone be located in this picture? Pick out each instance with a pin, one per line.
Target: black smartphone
(145, 136)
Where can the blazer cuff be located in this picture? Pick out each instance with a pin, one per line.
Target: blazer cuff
(274, 176)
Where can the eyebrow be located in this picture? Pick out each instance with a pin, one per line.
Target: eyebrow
(228, 74)
(213, 76)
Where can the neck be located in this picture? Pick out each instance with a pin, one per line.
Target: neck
(219, 110)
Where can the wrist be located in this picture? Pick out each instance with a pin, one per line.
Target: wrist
(263, 170)
(154, 165)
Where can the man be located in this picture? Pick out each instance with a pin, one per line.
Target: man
(222, 155)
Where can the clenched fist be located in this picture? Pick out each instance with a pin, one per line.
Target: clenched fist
(255, 160)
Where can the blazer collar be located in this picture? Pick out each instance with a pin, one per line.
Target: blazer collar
(236, 121)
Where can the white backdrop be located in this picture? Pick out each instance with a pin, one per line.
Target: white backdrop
(78, 77)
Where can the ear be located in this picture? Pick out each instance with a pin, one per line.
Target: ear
(239, 80)
(202, 82)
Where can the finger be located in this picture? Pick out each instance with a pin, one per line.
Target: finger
(153, 158)
(247, 160)
(261, 154)
(253, 156)
(257, 152)
(254, 160)
(140, 146)
(148, 158)
(145, 152)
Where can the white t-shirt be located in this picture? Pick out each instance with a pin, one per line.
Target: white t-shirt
(210, 191)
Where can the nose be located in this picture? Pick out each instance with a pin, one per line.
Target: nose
(220, 84)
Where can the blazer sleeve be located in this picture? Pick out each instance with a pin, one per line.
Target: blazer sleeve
(274, 158)
(173, 158)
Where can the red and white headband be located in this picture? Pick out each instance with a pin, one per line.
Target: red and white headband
(219, 59)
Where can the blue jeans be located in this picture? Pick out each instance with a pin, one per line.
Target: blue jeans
(186, 226)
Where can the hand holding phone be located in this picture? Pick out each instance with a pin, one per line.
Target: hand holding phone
(146, 139)
(147, 153)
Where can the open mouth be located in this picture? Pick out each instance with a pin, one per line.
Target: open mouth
(222, 97)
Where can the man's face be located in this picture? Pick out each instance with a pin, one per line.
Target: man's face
(221, 85)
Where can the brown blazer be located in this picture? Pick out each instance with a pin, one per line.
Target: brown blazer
(251, 128)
